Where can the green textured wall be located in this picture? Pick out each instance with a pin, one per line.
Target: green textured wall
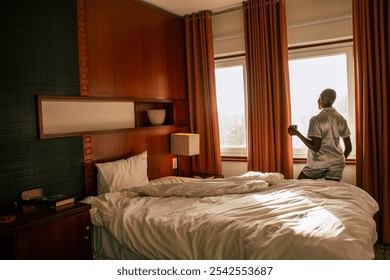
(38, 55)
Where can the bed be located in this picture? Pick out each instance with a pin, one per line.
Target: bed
(252, 216)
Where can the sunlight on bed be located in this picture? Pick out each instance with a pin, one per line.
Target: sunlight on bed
(304, 217)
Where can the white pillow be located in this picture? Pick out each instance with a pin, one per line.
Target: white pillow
(122, 174)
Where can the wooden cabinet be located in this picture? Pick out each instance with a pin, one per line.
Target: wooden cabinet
(40, 233)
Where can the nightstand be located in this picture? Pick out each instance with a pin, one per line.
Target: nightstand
(43, 233)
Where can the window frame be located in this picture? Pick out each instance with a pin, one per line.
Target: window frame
(224, 62)
(327, 50)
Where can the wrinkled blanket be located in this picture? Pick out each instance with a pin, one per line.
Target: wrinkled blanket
(251, 182)
(266, 219)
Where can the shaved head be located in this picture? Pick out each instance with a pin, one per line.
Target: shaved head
(328, 96)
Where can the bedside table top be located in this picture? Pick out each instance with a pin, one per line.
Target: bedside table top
(28, 215)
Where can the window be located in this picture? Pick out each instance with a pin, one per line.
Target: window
(311, 71)
(231, 103)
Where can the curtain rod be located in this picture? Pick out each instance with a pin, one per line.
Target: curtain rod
(209, 13)
(219, 12)
(231, 9)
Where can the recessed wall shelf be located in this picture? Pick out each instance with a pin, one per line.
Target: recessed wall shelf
(63, 116)
(141, 108)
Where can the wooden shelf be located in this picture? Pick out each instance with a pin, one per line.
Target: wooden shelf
(133, 114)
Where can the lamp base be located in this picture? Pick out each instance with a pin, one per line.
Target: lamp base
(178, 165)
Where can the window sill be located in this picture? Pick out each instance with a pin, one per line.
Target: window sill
(303, 161)
(236, 159)
(295, 160)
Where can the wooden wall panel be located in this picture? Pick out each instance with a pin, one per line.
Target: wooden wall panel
(134, 50)
(137, 51)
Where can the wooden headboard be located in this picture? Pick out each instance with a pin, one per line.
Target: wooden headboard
(121, 145)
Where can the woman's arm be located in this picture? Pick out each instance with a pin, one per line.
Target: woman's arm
(313, 144)
(348, 146)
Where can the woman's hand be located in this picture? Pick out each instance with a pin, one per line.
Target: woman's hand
(292, 130)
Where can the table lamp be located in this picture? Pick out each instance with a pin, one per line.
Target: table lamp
(184, 144)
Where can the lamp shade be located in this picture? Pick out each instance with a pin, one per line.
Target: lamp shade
(185, 144)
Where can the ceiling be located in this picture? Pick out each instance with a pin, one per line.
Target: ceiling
(184, 7)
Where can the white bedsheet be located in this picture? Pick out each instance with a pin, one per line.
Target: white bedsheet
(283, 219)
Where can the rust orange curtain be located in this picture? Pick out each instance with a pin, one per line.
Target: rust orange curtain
(202, 91)
(371, 31)
(269, 113)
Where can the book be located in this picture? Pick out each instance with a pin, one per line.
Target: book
(7, 218)
(54, 201)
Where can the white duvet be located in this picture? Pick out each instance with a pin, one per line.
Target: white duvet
(254, 216)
